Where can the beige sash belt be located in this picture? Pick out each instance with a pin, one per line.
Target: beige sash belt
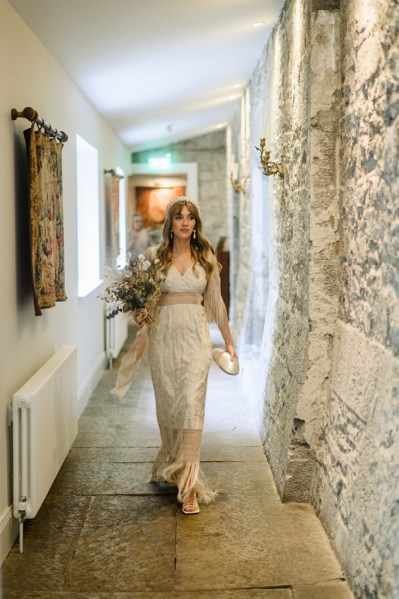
(170, 299)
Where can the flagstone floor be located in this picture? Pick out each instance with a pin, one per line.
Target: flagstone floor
(105, 532)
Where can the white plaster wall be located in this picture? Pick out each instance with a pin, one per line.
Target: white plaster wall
(31, 77)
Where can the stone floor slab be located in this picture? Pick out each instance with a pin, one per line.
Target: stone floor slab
(328, 590)
(49, 543)
(242, 481)
(231, 424)
(55, 595)
(106, 419)
(102, 397)
(219, 594)
(104, 478)
(231, 453)
(133, 438)
(113, 455)
(231, 437)
(117, 423)
(209, 453)
(249, 549)
(126, 544)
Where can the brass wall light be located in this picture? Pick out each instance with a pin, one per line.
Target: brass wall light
(269, 167)
(235, 184)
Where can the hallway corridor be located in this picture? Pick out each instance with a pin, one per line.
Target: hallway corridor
(104, 531)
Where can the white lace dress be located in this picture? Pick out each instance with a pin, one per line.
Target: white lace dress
(179, 353)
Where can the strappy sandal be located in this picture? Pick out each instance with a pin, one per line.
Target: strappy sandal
(191, 506)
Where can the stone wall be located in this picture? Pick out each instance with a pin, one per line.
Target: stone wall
(257, 189)
(323, 263)
(242, 241)
(326, 353)
(270, 253)
(233, 200)
(357, 495)
(274, 341)
(249, 317)
(209, 152)
(286, 369)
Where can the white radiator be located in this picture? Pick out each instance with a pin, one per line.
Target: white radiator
(116, 331)
(45, 424)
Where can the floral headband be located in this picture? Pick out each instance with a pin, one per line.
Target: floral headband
(180, 200)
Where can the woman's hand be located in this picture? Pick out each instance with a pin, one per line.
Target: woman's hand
(139, 316)
(230, 349)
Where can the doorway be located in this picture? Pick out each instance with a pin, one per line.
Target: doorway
(148, 198)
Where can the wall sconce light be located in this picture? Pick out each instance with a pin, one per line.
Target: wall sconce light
(269, 167)
(237, 187)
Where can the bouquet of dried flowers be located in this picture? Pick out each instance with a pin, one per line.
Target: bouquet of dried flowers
(132, 288)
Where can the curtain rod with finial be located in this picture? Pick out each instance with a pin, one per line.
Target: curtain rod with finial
(113, 172)
(32, 116)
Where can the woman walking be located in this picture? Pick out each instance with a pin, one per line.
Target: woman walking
(180, 348)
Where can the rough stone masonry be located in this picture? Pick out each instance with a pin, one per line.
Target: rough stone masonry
(328, 356)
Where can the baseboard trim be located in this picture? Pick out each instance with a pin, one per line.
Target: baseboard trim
(91, 381)
(8, 532)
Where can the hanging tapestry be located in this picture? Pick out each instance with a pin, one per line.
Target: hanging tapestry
(46, 219)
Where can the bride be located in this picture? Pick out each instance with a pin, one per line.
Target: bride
(180, 349)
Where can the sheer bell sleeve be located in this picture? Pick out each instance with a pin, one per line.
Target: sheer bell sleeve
(213, 302)
(131, 360)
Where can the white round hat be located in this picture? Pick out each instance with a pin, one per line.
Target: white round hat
(223, 360)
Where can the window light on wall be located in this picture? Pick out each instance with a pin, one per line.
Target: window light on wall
(88, 217)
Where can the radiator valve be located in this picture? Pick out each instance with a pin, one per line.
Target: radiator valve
(22, 508)
(22, 505)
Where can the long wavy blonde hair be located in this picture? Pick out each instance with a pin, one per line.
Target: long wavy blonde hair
(200, 247)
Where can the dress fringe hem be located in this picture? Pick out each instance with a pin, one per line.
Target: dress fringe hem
(187, 476)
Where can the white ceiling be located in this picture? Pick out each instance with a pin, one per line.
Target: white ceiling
(158, 70)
